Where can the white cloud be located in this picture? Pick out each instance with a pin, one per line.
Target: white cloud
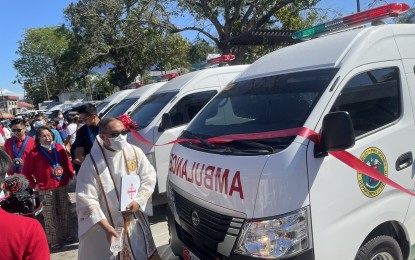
(7, 92)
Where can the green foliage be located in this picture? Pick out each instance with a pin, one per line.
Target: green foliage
(40, 52)
(199, 51)
(113, 31)
(222, 20)
(134, 35)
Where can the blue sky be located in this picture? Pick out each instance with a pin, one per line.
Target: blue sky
(18, 15)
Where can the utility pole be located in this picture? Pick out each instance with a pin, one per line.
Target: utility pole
(2, 101)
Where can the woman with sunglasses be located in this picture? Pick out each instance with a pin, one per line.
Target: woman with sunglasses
(18, 146)
(49, 171)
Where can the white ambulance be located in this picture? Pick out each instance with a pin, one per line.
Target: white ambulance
(133, 99)
(253, 184)
(111, 101)
(163, 116)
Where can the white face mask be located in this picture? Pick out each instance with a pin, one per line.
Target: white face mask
(60, 116)
(47, 146)
(28, 128)
(118, 143)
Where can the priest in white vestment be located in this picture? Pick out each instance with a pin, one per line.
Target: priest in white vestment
(98, 197)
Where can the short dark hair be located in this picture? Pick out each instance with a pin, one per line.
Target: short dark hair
(16, 121)
(88, 109)
(5, 163)
(103, 124)
(40, 129)
(37, 116)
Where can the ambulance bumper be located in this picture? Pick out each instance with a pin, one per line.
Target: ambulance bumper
(178, 246)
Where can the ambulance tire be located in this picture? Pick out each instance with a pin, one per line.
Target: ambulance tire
(380, 245)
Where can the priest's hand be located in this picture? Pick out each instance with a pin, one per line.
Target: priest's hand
(131, 209)
(109, 230)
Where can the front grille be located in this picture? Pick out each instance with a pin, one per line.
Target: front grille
(210, 232)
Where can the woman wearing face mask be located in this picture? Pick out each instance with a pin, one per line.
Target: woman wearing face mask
(49, 171)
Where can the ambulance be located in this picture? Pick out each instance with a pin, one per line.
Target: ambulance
(111, 101)
(271, 167)
(164, 114)
(133, 99)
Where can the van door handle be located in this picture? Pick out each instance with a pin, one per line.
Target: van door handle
(404, 161)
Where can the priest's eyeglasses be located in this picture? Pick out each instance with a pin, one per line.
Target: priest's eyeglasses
(123, 132)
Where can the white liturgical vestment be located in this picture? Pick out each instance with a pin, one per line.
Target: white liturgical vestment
(98, 197)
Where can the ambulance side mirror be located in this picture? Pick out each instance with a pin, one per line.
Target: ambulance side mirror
(165, 122)
(337, 133)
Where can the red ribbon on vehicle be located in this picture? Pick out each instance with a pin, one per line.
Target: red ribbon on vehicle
(343, 156)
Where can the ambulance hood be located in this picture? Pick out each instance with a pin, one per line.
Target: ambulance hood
(257, 186)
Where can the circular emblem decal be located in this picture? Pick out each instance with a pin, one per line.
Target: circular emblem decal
(195, 219)
(375, 158)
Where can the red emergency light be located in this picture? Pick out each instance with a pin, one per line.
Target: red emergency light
(137, 84)
(170, 76)
(222, 59)
(388, 10)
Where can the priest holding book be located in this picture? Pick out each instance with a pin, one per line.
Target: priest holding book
(100, 189)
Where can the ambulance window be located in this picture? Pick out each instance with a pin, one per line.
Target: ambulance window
(372, 99)
(189, 106)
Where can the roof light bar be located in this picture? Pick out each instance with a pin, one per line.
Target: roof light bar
(388, 10)
(222, 59)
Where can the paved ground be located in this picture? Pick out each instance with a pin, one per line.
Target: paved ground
(158, 228)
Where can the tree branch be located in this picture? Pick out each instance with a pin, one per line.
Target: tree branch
(270, 13)
(193, 28)
(208, 10)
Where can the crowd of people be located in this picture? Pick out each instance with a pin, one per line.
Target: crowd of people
(50, 153)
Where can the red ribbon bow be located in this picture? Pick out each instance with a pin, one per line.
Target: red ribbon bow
(127, 122)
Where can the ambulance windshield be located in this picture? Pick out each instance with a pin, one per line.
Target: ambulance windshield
(260, 105)
(145, 113)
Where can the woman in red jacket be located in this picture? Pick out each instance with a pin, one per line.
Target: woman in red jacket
(49, 171)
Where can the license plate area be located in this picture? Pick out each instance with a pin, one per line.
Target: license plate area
(188, 255)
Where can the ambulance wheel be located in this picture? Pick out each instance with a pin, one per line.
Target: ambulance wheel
(380, 248)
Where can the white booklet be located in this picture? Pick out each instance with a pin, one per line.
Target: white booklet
(129, 189)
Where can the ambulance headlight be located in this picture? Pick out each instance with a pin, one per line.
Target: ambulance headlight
(283, 236)
(152, 159)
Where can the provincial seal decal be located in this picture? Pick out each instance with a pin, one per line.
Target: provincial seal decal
(374, 158)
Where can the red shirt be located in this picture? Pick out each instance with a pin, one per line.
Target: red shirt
(9, 150)
(22, 238)
(38, 166)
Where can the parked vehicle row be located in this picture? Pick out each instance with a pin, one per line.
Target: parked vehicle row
(317, 162)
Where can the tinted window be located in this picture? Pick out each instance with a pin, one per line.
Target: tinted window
(101, 105)
(372, 99)
(189, 106)
(121, 107)
(150, 108)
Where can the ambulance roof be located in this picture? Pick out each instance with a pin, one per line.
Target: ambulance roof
(357, 47)
(141, 90)
(119, 94)
(190, 79)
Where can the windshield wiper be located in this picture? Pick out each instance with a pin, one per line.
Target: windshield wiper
(256, 145)
(203, 141)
